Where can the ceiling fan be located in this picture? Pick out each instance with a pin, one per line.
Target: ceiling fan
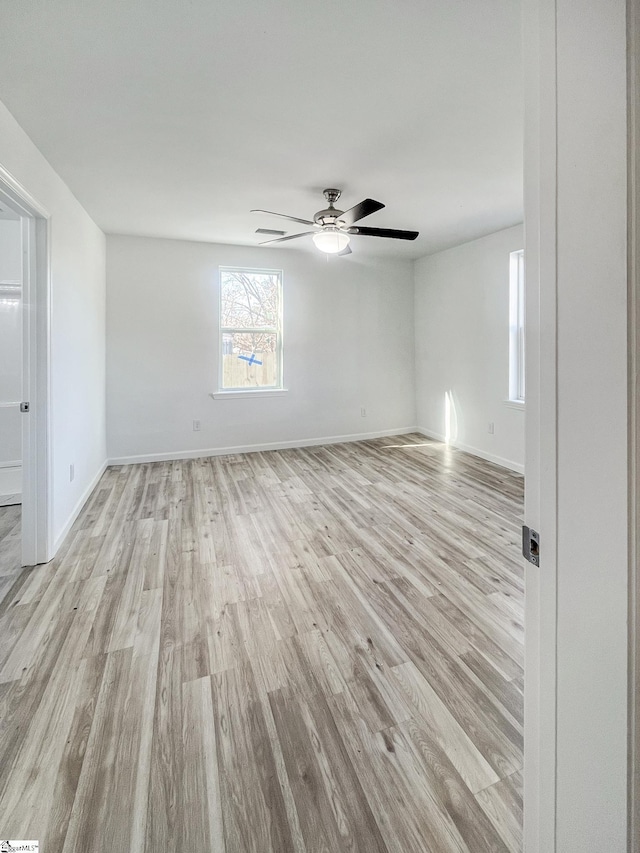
(334, 228)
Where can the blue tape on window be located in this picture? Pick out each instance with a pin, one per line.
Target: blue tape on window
(252, 360)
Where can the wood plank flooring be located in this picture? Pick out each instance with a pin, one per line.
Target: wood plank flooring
(10, 546)
(313, 650)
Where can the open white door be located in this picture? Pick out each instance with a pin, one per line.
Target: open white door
(576, 425)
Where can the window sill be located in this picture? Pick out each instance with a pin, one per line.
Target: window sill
(515, 404)
(253, 393)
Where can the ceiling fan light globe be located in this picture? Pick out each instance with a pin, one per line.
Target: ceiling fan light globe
(331, 241)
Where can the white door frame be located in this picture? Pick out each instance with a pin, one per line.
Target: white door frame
(541, 410)
(634, 424)
(37, 481)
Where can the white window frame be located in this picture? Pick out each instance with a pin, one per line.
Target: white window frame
(253, 391)
(516, 327)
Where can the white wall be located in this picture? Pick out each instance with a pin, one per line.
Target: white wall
(462, 347)
(348, 343)
(77, 254)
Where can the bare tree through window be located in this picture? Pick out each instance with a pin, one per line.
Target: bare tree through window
(250, 328)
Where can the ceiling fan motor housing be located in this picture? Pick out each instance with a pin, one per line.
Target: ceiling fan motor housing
(329, 216)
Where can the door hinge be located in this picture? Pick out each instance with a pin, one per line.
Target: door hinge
(24, 407)
(531, 545)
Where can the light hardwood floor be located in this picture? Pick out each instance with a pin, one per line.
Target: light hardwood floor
(10, 547)
(304, 650)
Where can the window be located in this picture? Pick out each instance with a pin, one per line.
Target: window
(516, 327)
(250, 329)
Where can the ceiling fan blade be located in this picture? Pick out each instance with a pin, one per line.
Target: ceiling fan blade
(345, 251)
(394, 233)
(284, 216)
(282, 239)
(361, 210)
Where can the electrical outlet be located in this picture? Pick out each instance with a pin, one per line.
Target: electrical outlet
(72, 472)
(363, 412)
(196, 426)
(491, 428)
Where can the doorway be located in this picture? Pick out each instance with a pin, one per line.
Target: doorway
(10, 386)
(25, 481)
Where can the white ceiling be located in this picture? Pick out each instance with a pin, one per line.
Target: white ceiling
(173, 118)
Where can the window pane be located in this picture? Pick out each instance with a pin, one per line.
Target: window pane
(250, 360)
(516, 326)
(249, 299)
(521, 326)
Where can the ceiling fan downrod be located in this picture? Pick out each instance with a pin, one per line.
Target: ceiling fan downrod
(331, 214)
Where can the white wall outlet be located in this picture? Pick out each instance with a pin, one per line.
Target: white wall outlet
(196, 426)
(363, 412)
(72, 472)
(491, 428)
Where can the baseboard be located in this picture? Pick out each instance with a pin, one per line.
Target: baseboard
(11, 478)
(78, 508)
(474, 451)
(256, 448)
